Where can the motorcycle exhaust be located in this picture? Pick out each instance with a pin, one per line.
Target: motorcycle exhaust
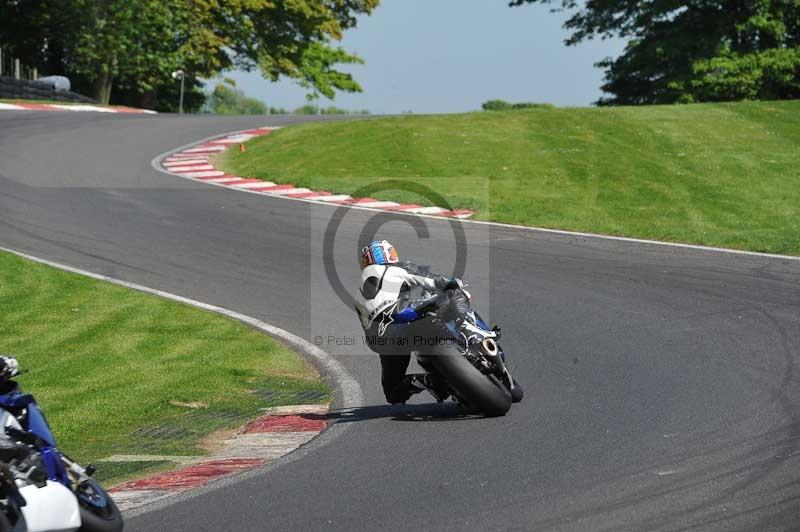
(490, 347)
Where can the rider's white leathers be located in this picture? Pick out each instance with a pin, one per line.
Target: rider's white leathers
(385, 290)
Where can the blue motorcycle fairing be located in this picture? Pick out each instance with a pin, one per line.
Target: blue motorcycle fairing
(16, 399)
(55, 466)
(37, 424)
(407, 315)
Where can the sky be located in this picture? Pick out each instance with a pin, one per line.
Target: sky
(446, 56)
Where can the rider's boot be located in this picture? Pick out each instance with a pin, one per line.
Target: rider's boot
(433, 384)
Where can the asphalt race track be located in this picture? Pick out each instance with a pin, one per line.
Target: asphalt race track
(663, 391)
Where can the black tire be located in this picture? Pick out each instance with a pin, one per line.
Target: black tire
(482, 392)
(93, 519)
(517, 393)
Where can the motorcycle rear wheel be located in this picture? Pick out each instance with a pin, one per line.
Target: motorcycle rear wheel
(482, 392)
(517, 393)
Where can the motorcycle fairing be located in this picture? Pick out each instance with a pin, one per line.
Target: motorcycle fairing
(53, 507)
(37, 425)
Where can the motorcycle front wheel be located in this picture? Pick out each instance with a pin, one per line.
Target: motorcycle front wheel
(98, 511)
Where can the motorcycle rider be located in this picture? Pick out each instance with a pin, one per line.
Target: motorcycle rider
(387, 288)
(9, 368)
(10, 449)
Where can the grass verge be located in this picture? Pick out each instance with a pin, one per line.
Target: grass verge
(714, 174)
(122, 372)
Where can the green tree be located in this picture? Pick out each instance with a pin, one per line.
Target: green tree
(695, 50)
(226, 99)
(496, 105)
(130, 41)
(133, 45)
(307, 109)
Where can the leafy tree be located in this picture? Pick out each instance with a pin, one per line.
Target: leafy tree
(502, 105)
(127, 40)
(133, 45)
(692, 50)
(307, 109)
(226, 99)
(316, 73)
(312, 109)
(333, 110)
(253, 106)
(496, 105)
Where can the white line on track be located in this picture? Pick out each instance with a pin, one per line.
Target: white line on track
(183, 157)
(236, 139)
(426, 210)
(263, 184)
(377, 204)
(199, 175)
(190, 168)
(334, 197)
(222, 180)
(290, 191)
(204, 149)
(178, 164)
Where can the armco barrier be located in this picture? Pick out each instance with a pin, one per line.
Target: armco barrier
(16, 89)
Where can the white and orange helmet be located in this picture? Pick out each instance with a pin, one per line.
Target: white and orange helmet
(378, 252)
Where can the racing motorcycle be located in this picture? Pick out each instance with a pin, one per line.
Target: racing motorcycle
(44, 490)
(29, 502)
(465, 355)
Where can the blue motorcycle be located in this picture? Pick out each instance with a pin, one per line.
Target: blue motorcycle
(24, 422)
(466, 356)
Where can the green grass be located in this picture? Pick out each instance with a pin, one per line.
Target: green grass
(111, 365)
(716, 174)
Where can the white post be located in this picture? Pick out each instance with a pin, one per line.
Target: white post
(17, 69)
(180, 105)
(182, 75)
(35, 74)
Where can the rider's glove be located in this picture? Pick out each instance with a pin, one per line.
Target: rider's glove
(443, 283)
(9, 367)
(454, 284)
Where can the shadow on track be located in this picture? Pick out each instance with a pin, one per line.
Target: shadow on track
(417, 412)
